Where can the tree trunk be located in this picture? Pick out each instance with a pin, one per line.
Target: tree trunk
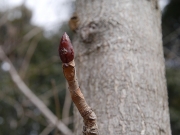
(120, 66)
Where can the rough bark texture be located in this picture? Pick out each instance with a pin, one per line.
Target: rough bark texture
(120, 66)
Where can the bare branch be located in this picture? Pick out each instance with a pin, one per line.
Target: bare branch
(33, 98)
(66, 107)
(56, 99)
(47, 130)
(27, 59)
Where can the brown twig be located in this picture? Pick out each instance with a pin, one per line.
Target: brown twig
(67, 57)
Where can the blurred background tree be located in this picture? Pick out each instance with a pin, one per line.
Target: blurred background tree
(35, 57)
(171, 42)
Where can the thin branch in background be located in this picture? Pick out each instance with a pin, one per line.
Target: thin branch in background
(32, 33)
(170, 37)
(3, 19)
(45, 64)
(173, 52)
(30, 114)
(28, 56)
(28, 36)
(10, 101)
(23, 121)
(56, 100)
(68, 120)
(48, 94)
(32, 97)
(66, 107)
(47, 130)
(18, 107)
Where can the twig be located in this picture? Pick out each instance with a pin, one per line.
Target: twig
(13, 103)
(66, 107)
(68, 120)
(30, 114)
(67, 57)
(33, 98)
(32, 33)
(56, 99)
(45, 64)
(27, 59)
(47, 130)
(49, 94)
(170, 37)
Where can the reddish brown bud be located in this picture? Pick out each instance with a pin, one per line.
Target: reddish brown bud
(66, 51)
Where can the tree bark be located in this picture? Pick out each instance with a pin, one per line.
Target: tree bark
(120, 66)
